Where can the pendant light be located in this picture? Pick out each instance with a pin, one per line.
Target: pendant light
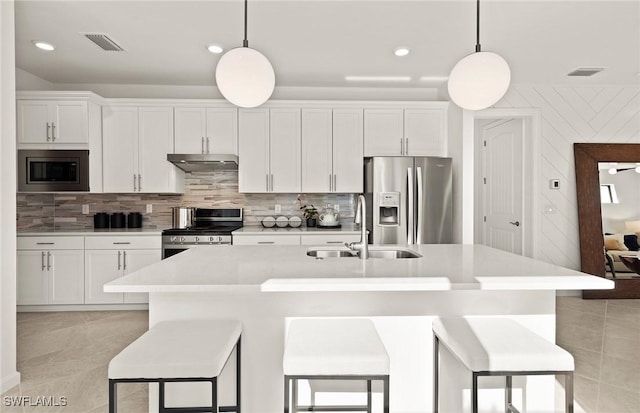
(480, 79)
(244, 75)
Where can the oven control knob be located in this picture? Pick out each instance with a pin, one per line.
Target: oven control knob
(174, 239)
(197, 239)
(182, 239)
(219, 239)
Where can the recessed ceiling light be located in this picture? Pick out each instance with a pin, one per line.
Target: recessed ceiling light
(44, 46)
(401, 51)
(377, 78)
(214, 48)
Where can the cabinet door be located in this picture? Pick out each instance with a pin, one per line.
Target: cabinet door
(277, 239)
(317, 172)
(253, 150)
(424, 131)
(34, 124)
(348, 160)
(100, 267)
(133, 260)
(32, 277)
(120, 148)
(190, 130)
(383, 132)
(70, 120)
(284, 150)
(66, 277)
(222, 131)
(155, 140)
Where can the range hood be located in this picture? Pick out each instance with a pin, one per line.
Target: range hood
(204, 162)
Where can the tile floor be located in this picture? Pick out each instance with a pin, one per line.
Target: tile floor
(66, 354)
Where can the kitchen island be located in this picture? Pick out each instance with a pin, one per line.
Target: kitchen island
(265, 287)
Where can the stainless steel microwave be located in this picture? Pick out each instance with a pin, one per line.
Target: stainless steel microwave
(53, 170)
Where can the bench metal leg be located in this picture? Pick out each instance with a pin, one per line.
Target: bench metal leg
(568, 392)
(214, 395)
(368, 396)
(286, 394)
(385, 395)
(474, 393)
(113, 397)
(507, 394)
(161, 407)
(294, 396)
(436, 365)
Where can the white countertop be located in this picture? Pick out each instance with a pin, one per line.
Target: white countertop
(260, 230)
(91, 232)
(288, 269)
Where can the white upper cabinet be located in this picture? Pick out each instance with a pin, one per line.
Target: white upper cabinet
(136, 141)
(269, 150)
(405, 132)
(200, 130)
(332, 150)
(46, 123)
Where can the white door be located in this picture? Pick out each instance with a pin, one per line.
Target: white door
(134, 260)
(348, 155)
(503, 192)
(424, 132)
(284, 150)
(34, 124)
(70, 121)
(66, 277)
(190, 130)
(31, 277)
(222, 131)
(155, 141)
(100, 267)
(383, 132)
(120, 148)
(253, 150)
(317, 152)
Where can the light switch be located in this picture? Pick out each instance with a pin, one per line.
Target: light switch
(337, 207)
(278, 208)
(85, 209)
(149, 208)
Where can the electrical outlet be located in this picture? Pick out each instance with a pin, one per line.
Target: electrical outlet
(85, 209)
(149, 208)
(278, 208)
(337, 207)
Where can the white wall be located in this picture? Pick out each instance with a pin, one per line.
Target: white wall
(9, 377)
(29, 81)
(595, 114)
(627, 185)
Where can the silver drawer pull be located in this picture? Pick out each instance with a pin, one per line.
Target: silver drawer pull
(266, 242)
(121, 243)
(45, 243)
(334, 242)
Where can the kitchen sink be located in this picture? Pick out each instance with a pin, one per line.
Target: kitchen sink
(393, 253)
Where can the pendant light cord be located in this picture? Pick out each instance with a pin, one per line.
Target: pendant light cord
(245, 42)
(477, 26)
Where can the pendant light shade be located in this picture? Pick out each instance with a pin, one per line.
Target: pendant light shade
(481, 79)
(245, 76)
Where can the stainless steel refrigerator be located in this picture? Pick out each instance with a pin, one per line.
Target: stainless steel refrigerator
(408, 200)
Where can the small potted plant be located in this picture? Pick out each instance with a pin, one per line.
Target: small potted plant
(310, 214)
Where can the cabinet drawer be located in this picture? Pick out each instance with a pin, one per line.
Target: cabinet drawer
(50, 243)
(329, 239)
(266, 239)
(120, 242)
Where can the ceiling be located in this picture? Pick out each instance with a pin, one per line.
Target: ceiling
(319, 42)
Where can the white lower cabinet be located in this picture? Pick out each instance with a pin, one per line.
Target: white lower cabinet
(109, 257)
(286, 238)
(50, 277)
(328, 239)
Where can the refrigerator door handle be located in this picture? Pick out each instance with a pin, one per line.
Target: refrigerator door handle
(420, 217)
(410, 203)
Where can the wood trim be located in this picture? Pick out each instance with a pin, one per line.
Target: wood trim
(587, 156)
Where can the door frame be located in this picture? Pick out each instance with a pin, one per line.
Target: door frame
(472, 159)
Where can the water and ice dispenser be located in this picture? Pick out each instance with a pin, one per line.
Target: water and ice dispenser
(389, 208)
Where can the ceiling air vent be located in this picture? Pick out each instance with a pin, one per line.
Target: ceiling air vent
(585, 71)
(104, 42)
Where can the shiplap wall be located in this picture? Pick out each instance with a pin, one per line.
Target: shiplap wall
(607, 114)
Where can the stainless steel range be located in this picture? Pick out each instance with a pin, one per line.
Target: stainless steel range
(211, 226)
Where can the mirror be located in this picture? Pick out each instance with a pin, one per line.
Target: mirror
(587, 158)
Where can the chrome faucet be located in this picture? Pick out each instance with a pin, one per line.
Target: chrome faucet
(362, 247)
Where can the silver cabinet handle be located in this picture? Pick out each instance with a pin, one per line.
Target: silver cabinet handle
(45, 243)
(335, 183)
(139, 182)
(124, 260)
(330, 184)
(517, 223)
(334, 242)
(410, 210)
(208, 144)
(135, 185)
(271, 182)
(406, 146)
(266, 242)
(420, 215)
(53, 131)
(202, 140)
(267, 176)
(121, 243)
(43, 266)
(48, 132)
(119, 254)
(401, 146)
(48, 261)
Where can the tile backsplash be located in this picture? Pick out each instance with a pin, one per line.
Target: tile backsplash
(63, 211)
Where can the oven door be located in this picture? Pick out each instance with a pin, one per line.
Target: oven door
(53, 170)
